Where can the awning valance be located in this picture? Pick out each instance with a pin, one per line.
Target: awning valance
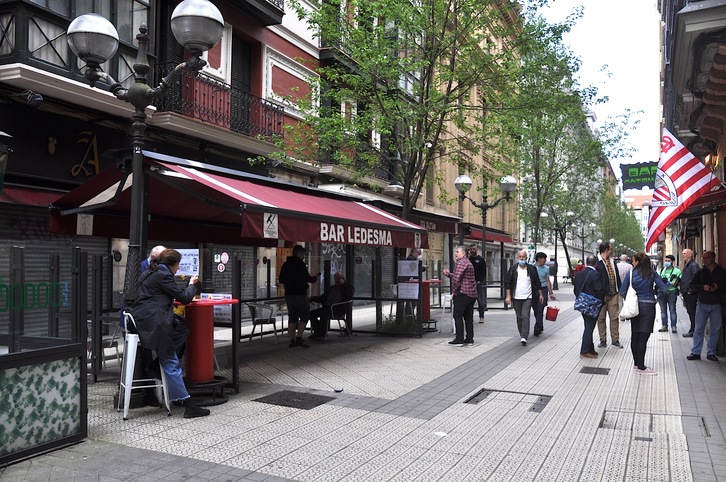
(192, 201)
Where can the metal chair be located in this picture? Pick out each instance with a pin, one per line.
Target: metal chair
(341, 312)
(107, 341)
(127, 382)
(262, 314)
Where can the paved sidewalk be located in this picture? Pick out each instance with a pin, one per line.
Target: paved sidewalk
(402, 415)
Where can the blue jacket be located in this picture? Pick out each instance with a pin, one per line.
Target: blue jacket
(644, 286)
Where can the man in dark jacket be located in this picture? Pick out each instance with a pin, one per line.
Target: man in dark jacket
(523, 286)
(480, 275)
(690, 296)
(294, 275)
(320, 317)
(710, 283)
(611, 284)
(589, 282)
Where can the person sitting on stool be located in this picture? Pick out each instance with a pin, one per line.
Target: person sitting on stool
(320, 317)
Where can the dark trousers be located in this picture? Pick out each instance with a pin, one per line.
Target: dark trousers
(320, 321)
(481, 297)
(638, 344)
(690, 301)
(464, 317)
(587, 345)
(539, 314)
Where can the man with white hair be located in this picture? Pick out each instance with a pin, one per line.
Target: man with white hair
(623, 266)
(153, 254)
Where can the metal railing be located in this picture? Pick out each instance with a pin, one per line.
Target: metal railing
(203, 97)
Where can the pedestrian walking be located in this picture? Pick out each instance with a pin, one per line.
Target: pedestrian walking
(523, 286)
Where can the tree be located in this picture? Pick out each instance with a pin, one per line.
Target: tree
(411, 85)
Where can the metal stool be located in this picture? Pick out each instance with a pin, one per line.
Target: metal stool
(127, 382)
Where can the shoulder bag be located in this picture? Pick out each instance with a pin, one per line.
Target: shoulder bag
(630, 305)
(588, 304)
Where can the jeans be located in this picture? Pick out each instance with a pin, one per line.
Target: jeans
(668, 304)
(481, 297)
(174, 380)
(521, 309)
(464, 317)
(705, 312)
(587, 345)
(638, 345)
(539, 313)
(690, 300)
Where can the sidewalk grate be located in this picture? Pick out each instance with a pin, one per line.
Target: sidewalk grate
(595, 371)
(537, 406)
(287, 398)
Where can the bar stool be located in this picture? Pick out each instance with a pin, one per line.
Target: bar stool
(127, 382)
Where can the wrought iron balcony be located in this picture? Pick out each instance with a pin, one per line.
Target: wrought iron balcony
(203, 97)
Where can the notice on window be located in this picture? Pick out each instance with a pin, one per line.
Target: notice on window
(407, 291)
(189, 265)
(408, 268)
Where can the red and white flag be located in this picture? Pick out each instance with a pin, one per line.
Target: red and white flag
(680, 180)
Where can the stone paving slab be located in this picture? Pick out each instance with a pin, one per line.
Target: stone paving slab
(402, 416)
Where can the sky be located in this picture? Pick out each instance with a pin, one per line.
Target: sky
(622, 37)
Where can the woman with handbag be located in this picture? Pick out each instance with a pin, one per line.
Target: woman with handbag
(643, 279)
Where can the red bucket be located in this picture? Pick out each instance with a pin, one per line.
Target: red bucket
(552, 312)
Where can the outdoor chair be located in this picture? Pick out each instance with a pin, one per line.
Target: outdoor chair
(341, 312)
(262, 314)
(127, 382)
(447, 304)
(107, 341)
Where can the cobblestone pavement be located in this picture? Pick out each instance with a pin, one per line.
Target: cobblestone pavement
(421, 410)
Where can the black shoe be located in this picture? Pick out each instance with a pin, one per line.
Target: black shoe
(663, 329)
(693, 357)
(617, 344)
(292, 344)
(468, 342)
(602, 344)
(456, 343)
(674, 330)
(194, 411)
(177, 403)
(712, 357)
(300, 342)
(537, 333)
(688, 335)
(593, 352)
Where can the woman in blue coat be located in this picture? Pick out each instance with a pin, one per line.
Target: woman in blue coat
(644, 280)
(153, 312)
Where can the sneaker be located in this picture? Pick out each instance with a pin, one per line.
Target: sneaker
(537, 333)
(693, 356)
(523, 341)
(688, 335)
(481, 319)
(663, 329)
(674, 330)
(602, 344)
(456, 343)
(594, 353)
(301, 343)
(587, 355)
(194, 411)
(712, 357)
(617, 344)
(468, 342)
(647, 371)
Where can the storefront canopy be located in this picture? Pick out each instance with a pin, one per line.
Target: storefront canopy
(710, 202)
(191, 201)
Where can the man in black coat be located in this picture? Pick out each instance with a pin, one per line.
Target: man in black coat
(590, 282)
(294, 275)
(480, 275)
(611, 285)
(690, 296)
(320, 317)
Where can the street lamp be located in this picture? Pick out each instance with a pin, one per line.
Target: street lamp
(582, 237)
(198, 26)
(463, 183)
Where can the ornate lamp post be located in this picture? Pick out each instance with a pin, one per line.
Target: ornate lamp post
(583, 236)
(198, 26)
(507, 184)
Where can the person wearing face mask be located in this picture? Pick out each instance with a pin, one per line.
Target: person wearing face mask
(523, 286)
(672, 276)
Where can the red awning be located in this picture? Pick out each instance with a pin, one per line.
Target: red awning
(28, 196)
(493, 235)
(196, 202)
